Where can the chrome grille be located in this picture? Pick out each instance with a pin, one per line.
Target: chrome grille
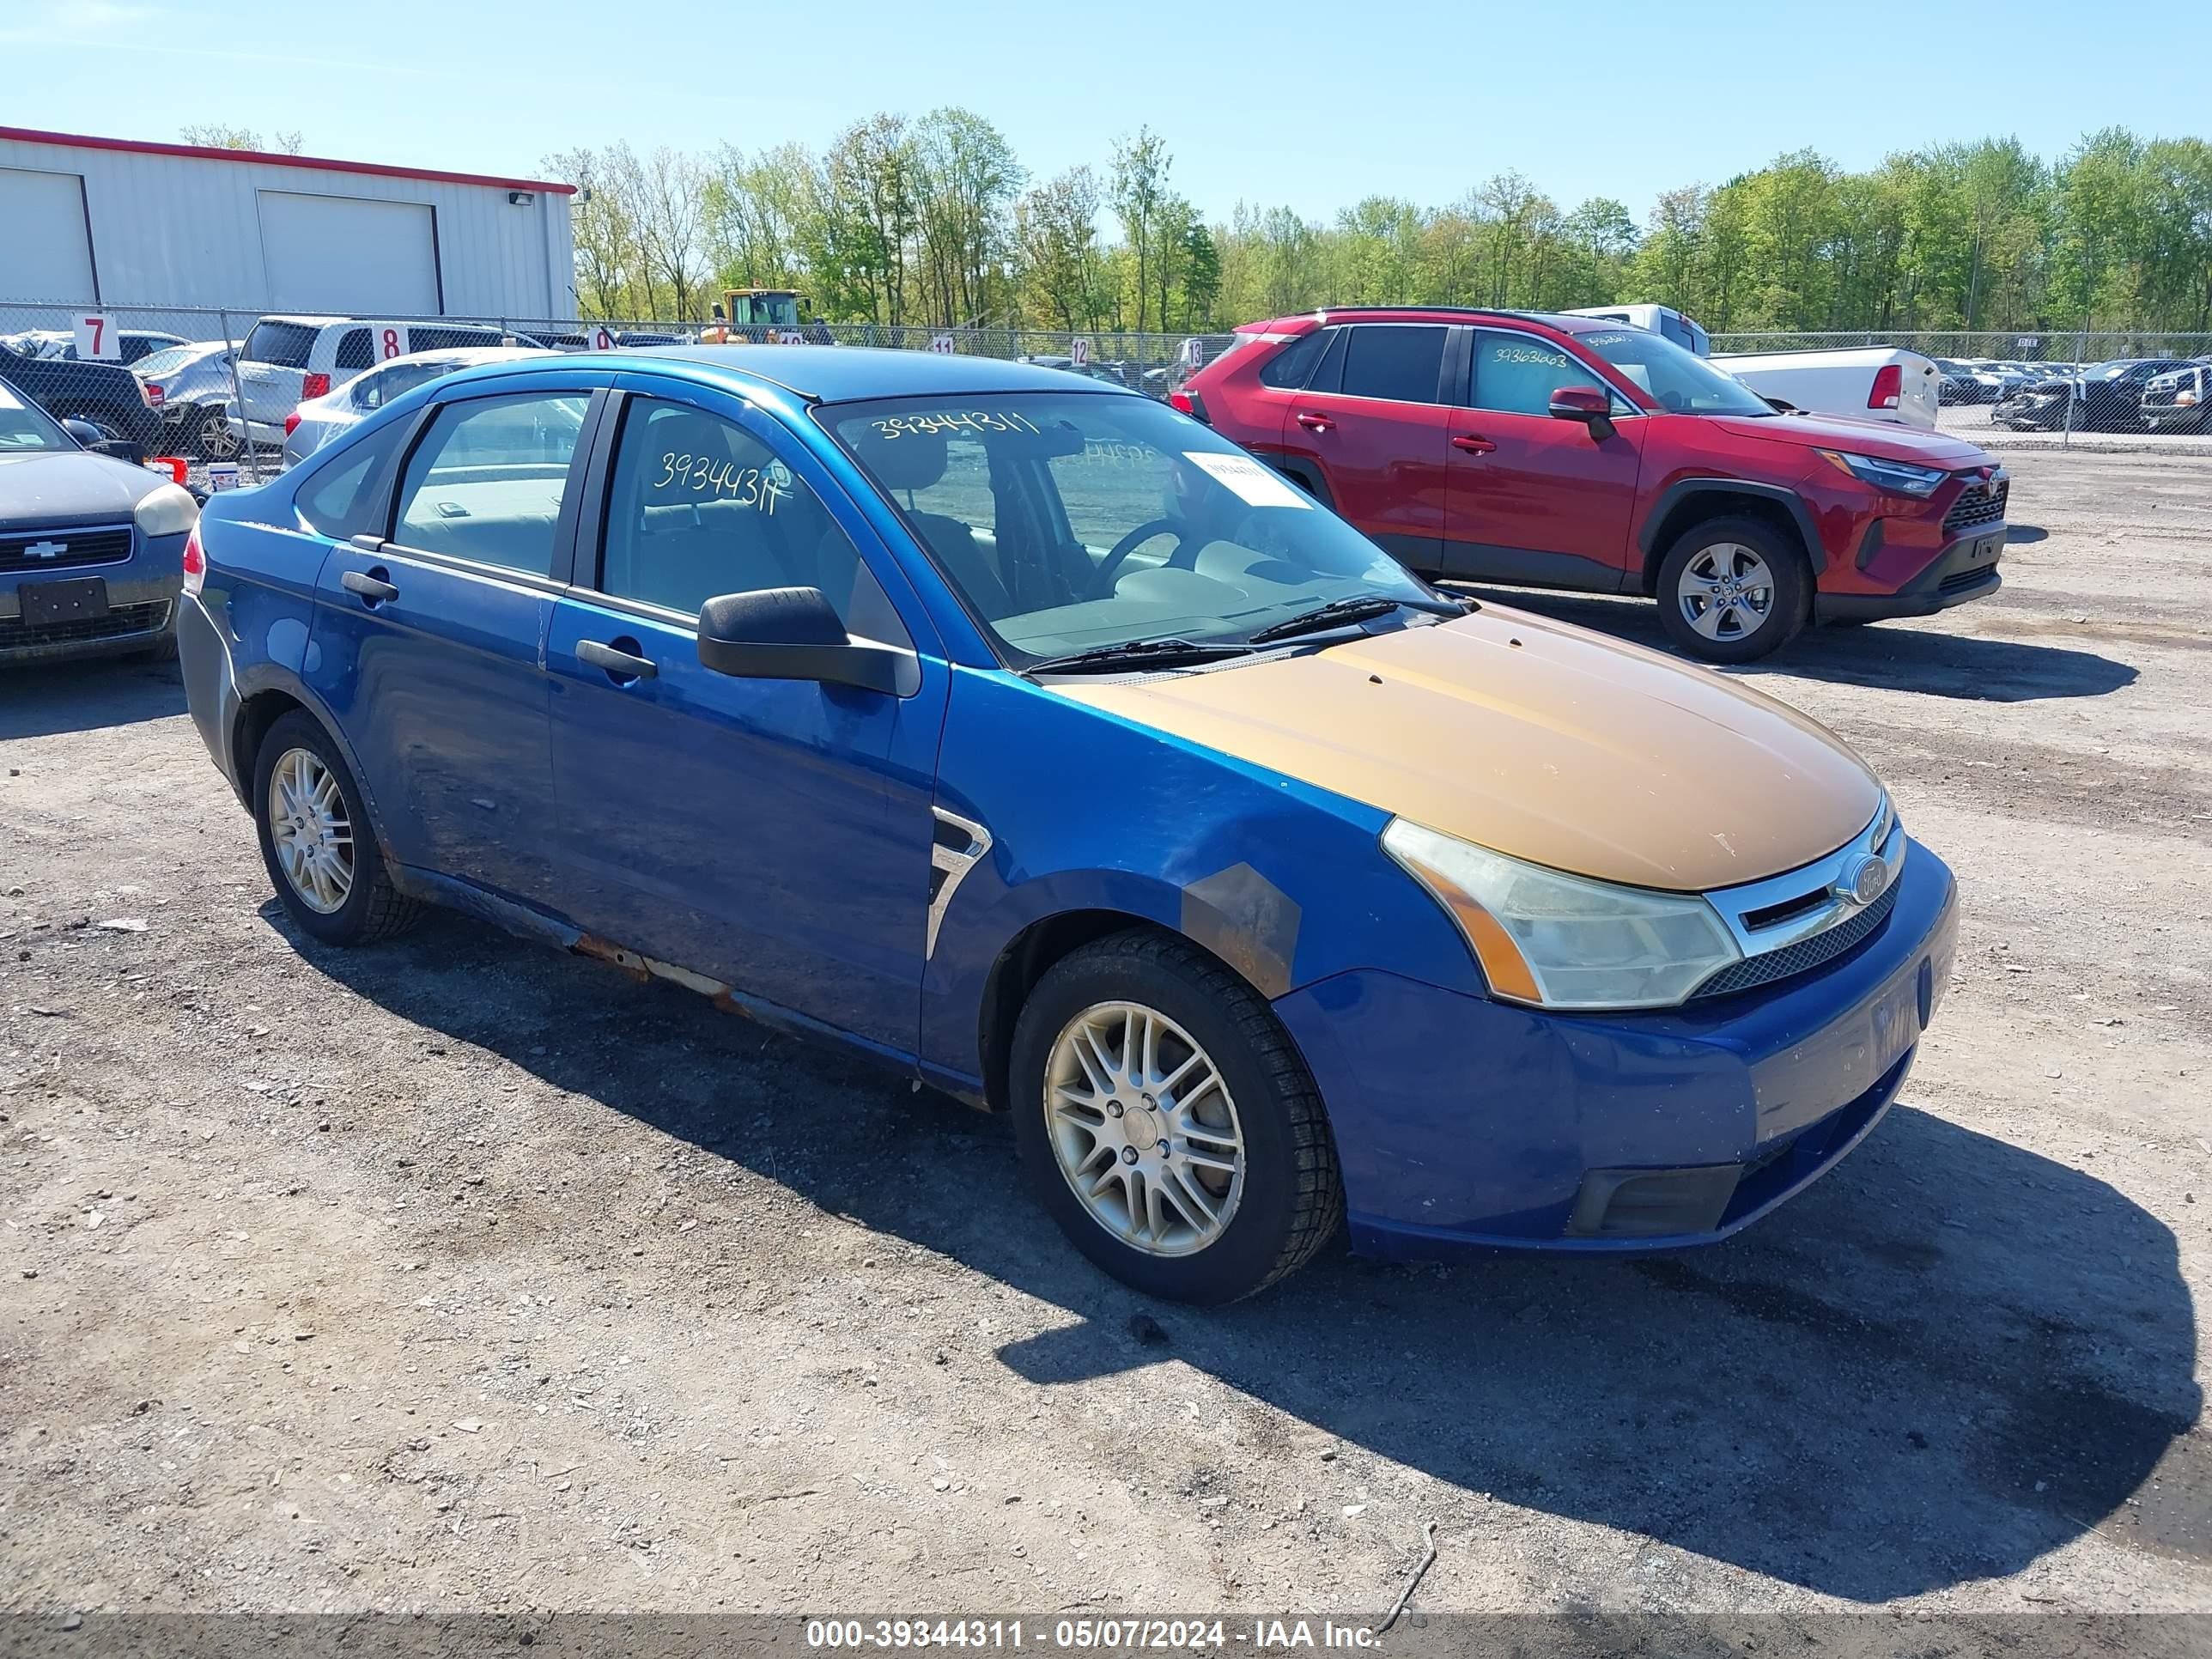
(1977, 504)
(60, 548)
(1802, 956)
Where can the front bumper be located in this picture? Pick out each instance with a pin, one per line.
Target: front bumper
(142, 594)
(1462, 1123)
(1965, 571)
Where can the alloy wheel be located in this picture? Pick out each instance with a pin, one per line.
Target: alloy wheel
(1144, 1129)
(1726, 592)
(311, 831)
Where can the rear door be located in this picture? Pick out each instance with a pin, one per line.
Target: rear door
(271, 369)
(773, 835)
(430, 633)
(1534, 498)
(1371, 419)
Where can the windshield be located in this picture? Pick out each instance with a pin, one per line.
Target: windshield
(1685, 384)
(1068, 521)
(23, 427)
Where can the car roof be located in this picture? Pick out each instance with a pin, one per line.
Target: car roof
(1412, 314)
(835, 375)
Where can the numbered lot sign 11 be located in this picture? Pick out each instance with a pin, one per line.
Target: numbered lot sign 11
(96, 341)
(941, 344)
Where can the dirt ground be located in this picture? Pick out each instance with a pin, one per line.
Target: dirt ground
(456, 1274)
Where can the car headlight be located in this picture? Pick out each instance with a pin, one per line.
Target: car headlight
(168, 511)
(1899, 477)
(1561, 941)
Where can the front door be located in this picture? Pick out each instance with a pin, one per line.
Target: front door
(1373, 421)
(771, 834)
(428, 646)
(1536, 499)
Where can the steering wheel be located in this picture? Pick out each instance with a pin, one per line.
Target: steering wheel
(1129, 543)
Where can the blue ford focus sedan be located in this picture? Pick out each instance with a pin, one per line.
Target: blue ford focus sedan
(1024, 733)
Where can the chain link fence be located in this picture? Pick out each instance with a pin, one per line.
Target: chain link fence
(214, 387)
(2118, 389)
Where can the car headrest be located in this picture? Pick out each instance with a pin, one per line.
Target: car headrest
(913, 460)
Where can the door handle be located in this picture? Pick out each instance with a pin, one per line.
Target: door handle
(1313, 422)
(371, 585)
(1472, 443)
(621, 666)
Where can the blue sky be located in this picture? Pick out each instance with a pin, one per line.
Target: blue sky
(1312, 105)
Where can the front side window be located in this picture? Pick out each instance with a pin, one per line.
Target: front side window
(697, 507)
(1066, 521)
(1517, 373)
(1398, 362)
(1679, 382)
(487, 480)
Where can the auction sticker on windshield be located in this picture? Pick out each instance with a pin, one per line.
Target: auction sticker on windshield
(1252, 483)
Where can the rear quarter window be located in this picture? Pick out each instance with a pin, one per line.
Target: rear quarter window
(1290, 368)
(286, 344)
(344, 497)
(354, 354)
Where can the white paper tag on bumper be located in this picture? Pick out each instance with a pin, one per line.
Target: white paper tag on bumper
(1252, 485)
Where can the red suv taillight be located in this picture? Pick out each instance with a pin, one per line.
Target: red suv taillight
(314, 386)
(291, 422)
(1888, 386)
(1190, 404)
(154, 394)
(195, 562)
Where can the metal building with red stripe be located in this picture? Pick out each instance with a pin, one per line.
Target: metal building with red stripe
(119, 222)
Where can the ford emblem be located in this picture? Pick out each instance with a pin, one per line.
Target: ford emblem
(1863, 881)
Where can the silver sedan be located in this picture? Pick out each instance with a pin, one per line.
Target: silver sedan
(319, 420)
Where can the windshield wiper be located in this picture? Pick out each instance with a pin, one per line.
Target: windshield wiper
(1158, 653)
(1355, 608)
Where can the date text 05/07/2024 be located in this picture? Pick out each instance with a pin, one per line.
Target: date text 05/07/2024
(1284, 1635)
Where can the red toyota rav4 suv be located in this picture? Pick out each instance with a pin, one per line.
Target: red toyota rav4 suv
(1567, 452)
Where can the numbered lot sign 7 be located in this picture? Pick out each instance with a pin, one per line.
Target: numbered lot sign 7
(96, 340)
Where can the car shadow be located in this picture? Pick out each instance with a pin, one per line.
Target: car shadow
(44, 700)
(2023, 535)
(1946, 1360)
(1939, 665)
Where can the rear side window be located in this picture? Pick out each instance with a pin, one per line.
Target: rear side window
(1291, 368)
(342, 498)
(286, 344)
(420, 338)
(1397, 361)
(487, 481)
(353, 350)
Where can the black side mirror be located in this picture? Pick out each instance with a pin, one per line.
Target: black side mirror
(84, 432)
(1590, 404)
(122, 449)
(793, 633)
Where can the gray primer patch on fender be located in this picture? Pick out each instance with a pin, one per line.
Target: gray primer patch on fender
(1248, 921)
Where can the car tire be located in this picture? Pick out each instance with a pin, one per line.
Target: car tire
(338, 892)
(1264, 1195)
(1749, 558)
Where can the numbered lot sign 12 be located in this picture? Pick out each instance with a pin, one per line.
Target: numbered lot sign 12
(1079, 351)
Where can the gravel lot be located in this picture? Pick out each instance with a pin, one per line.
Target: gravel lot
(458, 1274)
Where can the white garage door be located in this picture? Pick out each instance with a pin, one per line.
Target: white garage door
(47, 252)
(346, 254)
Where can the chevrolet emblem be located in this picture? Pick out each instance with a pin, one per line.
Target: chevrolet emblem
(46, 549)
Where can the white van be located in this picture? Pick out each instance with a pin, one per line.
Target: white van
(1874, 383)
(287, 361)
(1660, 319)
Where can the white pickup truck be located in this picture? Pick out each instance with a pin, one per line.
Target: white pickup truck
(1874, 383)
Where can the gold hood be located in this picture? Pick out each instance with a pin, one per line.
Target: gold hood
(1537, 739)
